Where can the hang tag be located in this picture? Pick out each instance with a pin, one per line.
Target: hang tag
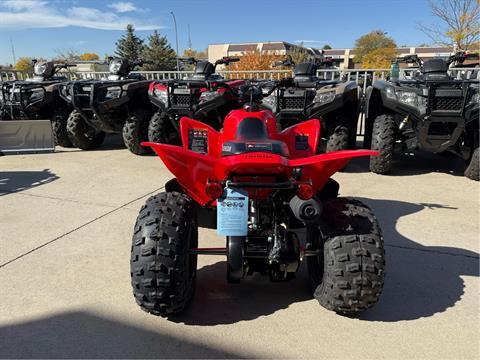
(232, 213)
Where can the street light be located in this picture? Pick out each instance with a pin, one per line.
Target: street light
(176, 38)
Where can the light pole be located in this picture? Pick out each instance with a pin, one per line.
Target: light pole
(176, 38)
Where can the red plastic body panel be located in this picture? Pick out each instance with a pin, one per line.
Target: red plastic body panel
(193, 170)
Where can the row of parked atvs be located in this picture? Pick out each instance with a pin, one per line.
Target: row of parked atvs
(431, 111)
(254, 160)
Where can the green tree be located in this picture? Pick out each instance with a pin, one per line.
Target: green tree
(24, 64)
(129, 46)
(326, 47)
(158, 54)
(376, 39)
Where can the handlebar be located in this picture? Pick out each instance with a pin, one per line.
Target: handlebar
(410, 59)
(287, 62)
(64, 66)
(226, 60)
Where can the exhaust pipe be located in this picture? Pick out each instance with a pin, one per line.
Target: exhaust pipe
(306, 210)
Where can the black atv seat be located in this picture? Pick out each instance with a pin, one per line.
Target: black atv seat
(251, 136)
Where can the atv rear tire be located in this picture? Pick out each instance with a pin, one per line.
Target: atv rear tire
(135, 130)
(161, 130)
(59, 126)
(163, 271)
(82, 135)
(472, 171)
(383, 140)
(349, 277)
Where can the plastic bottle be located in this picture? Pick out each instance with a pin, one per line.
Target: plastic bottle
(394, 71)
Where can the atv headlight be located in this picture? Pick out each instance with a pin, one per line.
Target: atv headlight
(64, 91)
(114, 67)
(270, 101)
(475, 99)
(406, 97)
(113, 92)
(39, 69)
(35, 95)
(324, 97)
(411, 98)
(162, 95)
(390, 92)
(209, 95)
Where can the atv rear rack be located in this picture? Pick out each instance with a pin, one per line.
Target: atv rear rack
(285, 185)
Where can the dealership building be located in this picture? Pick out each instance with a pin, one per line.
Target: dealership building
(343, 58)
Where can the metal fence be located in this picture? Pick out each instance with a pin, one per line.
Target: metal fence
(358, 75)
(363, 77)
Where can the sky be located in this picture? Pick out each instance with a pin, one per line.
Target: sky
(38, 28)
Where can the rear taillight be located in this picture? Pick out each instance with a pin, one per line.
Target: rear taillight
(214, 189)
(305, 191)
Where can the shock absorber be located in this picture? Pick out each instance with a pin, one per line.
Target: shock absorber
(253, 214)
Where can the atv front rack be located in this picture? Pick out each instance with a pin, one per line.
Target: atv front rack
(16, 97)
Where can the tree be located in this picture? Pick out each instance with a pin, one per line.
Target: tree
(326, 47)
(458, 23)
(89, 57)
(299, 54)
(379, 58)
(129, 46)
(376, 39)
(67, 54)
(158, 54)
(24, 64)
(195, 54)
(255, 60)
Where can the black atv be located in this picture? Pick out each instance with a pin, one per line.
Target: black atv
(432, 111)
(305, 96)
(204, 96)
(118, 104)
(38, 98)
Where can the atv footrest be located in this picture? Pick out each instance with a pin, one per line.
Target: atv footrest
(209, 251)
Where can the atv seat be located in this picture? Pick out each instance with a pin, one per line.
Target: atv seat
(251, 136)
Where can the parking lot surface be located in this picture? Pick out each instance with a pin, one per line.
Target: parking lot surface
(66, 223)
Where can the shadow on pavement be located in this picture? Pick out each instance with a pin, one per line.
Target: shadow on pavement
(217, 302)
(14, 181)
(416, 164)
(420, 282)
(84, 335)
(111, 142)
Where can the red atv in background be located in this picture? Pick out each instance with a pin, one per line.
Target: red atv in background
(272, 198)
(204, 96)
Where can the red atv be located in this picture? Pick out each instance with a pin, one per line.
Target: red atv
(272, 198)
(204, 96)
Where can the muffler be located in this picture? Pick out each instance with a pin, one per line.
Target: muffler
(306, 210)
